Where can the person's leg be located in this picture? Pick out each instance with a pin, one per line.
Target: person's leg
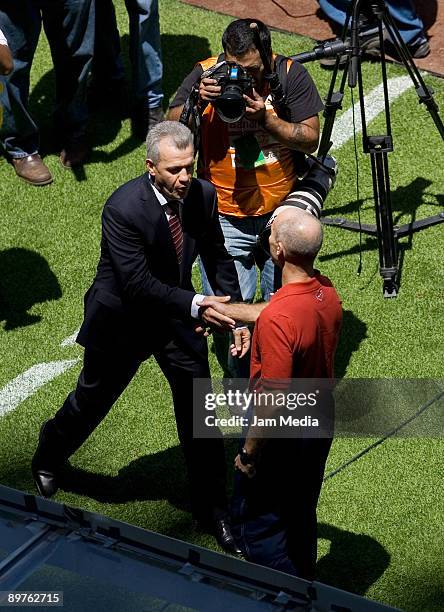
(145, 51)
(221, 340)
(335, 10)
(102, 379)
(271, 275)
(409, 24)
(19, 134)
(70, 28)
(403, 13)
(257, 522)
(302, 494)
(108, 75)
(205, 458)
(240, 242)
(146, 63)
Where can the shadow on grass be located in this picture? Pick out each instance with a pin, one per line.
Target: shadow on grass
(405, 200)
(180, 53)
(354, 562)
(349, 208)
(25, 279)
(160, 476)
(354, 331)
(104, 126)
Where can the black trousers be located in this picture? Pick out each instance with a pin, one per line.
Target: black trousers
(104, 377)
(274, 514)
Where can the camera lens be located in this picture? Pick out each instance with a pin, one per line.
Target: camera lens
(262, 239)
(230, 105)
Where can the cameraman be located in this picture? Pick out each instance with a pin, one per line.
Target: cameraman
(255, 162)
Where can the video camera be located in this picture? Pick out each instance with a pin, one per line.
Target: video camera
(234, 82)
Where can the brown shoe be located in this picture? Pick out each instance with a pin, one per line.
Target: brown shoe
(74, 153)
(32, 169)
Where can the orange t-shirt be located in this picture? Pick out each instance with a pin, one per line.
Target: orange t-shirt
(251, 171)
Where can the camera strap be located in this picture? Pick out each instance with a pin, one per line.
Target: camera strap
(191, 114)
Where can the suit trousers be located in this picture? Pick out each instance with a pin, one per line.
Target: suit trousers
(102, 380)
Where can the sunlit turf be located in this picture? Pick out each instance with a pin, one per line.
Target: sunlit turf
(381, 518)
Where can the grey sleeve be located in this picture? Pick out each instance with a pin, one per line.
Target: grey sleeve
(185, 89)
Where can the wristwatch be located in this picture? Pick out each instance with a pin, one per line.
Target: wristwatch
(246, 458)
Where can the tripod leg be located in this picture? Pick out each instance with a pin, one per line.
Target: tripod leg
(388, 241)
(424, 92)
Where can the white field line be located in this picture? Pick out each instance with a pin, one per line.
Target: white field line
(70, 340)
(374, 105)
(27, 383)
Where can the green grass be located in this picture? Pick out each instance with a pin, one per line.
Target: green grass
(381, 518)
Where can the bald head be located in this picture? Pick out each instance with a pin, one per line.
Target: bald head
(299, 232)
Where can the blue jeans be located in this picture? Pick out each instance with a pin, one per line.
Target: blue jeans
(144, 49)
(273, 514)
(69, 27)
(240, 235)
(403, 13)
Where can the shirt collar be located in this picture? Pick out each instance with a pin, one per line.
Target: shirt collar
(161, 198)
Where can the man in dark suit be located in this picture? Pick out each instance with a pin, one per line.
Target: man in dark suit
(141, 303)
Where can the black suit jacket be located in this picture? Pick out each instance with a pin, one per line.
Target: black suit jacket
(141, 298)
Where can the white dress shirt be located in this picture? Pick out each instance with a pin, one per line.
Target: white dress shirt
(3, 40)
(163, 202)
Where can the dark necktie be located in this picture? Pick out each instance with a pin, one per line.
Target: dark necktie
(175, 228)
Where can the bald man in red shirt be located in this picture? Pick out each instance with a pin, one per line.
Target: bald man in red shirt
(279, 479)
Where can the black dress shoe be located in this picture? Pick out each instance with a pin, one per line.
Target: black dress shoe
(44, 466)
(45, 481)
(224, 537)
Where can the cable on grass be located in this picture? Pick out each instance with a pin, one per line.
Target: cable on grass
(387, 435)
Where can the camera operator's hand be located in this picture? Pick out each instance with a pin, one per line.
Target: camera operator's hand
(209, 89)
(255, 107)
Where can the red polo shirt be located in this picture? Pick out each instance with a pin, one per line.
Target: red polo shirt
(296, 335)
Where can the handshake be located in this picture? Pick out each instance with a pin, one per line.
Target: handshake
(219, 313)
(215, 312)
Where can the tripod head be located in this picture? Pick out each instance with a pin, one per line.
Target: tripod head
(372, 9)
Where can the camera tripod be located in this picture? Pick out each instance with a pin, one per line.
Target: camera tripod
(376, 146)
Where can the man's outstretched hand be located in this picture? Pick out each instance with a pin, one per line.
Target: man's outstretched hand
(239, 311)
(212, 317)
